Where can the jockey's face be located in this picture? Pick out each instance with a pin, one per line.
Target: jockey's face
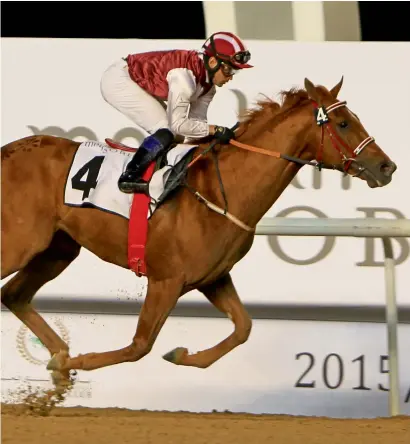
(223, 75)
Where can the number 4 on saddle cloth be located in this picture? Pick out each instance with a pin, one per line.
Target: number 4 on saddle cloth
(92, 183)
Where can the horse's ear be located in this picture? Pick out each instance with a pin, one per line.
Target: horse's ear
(335, 90)
(311, 90)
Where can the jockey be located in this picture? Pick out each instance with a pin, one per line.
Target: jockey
(140, 84)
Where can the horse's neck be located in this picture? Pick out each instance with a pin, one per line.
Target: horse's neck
(253, 181)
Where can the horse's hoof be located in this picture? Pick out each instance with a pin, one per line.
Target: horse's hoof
(53, 364)
(175, 356)
(57, 361)
(60, 380)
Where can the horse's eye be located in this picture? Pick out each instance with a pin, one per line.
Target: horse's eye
(343, 124)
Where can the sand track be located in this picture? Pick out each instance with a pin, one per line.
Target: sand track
(103, 426)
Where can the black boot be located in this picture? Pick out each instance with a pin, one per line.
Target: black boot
(130, 180)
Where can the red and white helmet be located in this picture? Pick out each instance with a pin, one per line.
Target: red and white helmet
(227, 47)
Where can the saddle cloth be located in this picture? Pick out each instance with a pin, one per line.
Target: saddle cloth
(96, 167)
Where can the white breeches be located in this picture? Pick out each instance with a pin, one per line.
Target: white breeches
(126, 96)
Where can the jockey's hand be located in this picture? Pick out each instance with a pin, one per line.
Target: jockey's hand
(224, 134)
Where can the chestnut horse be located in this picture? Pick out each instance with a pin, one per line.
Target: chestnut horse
(189, 246)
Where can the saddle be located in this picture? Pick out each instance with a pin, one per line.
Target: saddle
(177, 174)
(119, 146)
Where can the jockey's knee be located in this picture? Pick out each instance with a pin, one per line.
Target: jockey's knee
(158, 141)
(164, 136)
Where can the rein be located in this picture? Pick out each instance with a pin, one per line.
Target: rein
(283, 156)
(322, 120)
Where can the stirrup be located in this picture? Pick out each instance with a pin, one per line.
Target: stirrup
(133, 186)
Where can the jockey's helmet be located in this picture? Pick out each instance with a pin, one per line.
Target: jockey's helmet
(227, 48)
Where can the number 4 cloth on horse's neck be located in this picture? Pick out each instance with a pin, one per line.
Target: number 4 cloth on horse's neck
(92, 182)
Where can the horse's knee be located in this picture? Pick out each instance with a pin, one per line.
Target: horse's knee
(242, 333)
(13, 302)
(137, 350)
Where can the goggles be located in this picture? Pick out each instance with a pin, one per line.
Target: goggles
(241, 57)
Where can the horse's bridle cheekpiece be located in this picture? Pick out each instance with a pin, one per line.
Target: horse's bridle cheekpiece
(322, 119)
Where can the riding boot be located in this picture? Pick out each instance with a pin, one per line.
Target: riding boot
(131, 180)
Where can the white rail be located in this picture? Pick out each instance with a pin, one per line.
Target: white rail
(383, 228)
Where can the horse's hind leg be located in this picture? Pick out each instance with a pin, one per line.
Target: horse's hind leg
(18, 293)
(223, 295)
(160, 300)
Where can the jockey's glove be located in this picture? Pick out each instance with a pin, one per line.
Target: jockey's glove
(224, 134)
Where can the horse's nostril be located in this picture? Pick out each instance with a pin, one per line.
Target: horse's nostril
(388, 168)
(384, 167)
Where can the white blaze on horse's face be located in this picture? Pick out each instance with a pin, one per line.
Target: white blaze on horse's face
(342, 137)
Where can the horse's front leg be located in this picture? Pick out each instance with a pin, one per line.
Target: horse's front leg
(223, 295)
(161, 298)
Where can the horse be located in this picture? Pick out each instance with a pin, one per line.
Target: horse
(189, 246)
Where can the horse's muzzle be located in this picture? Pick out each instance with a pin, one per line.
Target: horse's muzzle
(380, 174)
(388, 168)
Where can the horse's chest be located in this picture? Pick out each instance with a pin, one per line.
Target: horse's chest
(227, 251)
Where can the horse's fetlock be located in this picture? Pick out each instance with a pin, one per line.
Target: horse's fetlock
(64, 348)
(204, 365)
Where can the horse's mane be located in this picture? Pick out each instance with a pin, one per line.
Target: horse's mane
(269, 112)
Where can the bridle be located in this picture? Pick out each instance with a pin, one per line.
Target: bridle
(322, 120)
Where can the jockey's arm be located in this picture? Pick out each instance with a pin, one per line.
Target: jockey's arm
(182, 121)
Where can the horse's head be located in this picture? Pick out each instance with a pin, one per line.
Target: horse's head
(339, 139)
